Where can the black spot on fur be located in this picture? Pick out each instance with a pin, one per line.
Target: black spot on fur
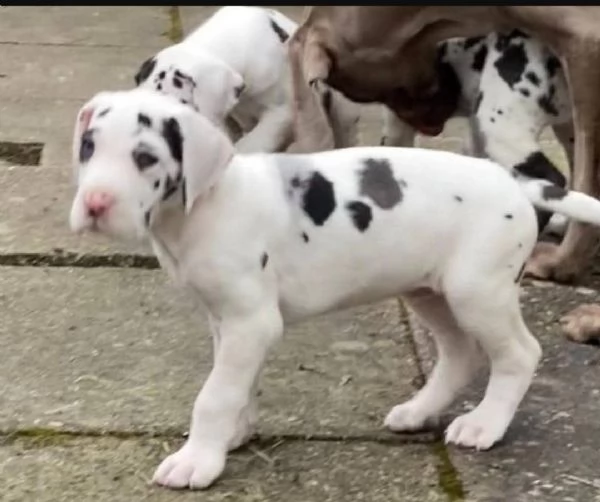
(172, 134)
(360, 213)
(279, 31)
(508, 216)
(478, 101)
(546, 102)
(377, 182)
(147, 218)
(479, 58)
(492, 120)
(170, 188)
(182, 76)
(305, 237)
(183, 192)
(162, 75)
(239, 89)
(525, 92)
(295, 182)
(144, 120)
(458, 198)
(143, 159)
(87, 146)
(145, 70)
(159, 87)
(500, 112)
(532, 77)
(553, 192)
(177, 83)
(319, 199)
(264, 260)
(103, 112)
(511, 64)
(552, 65)
(472, 41)
(537, 165)
(156, 184)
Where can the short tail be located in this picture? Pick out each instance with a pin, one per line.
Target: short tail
(550, 197)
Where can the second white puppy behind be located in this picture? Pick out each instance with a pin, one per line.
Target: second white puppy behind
(235, 66)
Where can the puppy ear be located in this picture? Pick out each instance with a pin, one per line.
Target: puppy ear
(145, 70)
(202, 150)
(82, 122)
(218, 89)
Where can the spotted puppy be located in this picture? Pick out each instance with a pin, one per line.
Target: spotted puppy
(511, 88)
(234, 67)
(265, 240)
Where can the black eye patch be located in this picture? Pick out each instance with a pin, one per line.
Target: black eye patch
(86, 148)
(143, 160)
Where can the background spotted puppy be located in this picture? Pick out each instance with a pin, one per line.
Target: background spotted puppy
(234, 70)
(511, 88)
(265, 240)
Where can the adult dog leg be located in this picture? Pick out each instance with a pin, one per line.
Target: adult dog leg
(458, 360)
(223, 401)
(566, 262)
(489, 311)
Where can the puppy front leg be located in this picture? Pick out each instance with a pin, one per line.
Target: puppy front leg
(272, 133)
(221, 411)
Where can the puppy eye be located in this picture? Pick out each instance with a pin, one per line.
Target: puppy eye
(86, 149)
(144, 160)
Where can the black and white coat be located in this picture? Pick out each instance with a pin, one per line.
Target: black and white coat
(512, 88)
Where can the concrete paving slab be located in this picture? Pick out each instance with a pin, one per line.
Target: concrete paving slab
(123, 349)
(112, 470)
(34, 219)
(551, 451)
(92, 25)
(67, 73)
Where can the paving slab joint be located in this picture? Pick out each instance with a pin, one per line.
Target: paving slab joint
(60, 258)
(449, 480)
(175, 30)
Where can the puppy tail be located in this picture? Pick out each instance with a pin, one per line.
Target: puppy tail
(550, 197)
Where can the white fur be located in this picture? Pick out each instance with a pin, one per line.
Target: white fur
(450, 235)
(240, 69)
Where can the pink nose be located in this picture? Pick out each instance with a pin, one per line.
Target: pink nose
(97, 203)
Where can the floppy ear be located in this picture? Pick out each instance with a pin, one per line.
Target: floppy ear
(145, 70)
(205, 153)
(218, 89)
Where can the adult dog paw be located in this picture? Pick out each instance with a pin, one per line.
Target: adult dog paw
(582, 324)
(191, 467)
(548, 263)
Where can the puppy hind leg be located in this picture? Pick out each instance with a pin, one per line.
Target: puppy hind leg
(458, 360)
(272, 133)
(491, 314)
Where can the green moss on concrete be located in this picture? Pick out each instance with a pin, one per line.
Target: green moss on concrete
(175, 31)
(448, 479)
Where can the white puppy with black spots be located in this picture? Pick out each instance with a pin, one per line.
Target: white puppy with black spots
(264, 240)
(235, 67)
(510, 87)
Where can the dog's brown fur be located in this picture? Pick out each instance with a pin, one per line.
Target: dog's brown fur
(388, 54)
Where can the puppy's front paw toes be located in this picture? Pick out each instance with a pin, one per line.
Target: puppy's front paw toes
(191, 467)
(476, 430)
(407, 417)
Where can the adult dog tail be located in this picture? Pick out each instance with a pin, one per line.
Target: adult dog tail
(550, 197)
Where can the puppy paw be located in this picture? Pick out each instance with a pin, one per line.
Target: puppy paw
(582, 324)
(407, 417)
(476, 429)
(190, 467)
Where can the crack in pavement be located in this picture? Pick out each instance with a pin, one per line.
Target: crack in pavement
(78, 260)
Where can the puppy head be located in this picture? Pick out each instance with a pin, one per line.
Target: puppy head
(196, 78)
(135, 152)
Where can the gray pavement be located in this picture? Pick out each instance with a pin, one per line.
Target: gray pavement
(100, 365)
